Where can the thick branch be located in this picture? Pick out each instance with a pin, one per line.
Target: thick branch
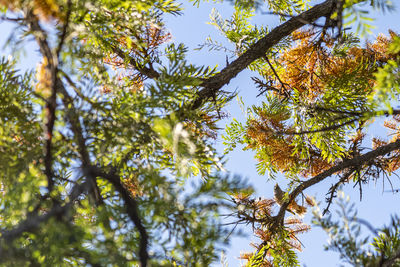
(92, 172)
(131, 209)
(58, 86)
(258, 50)
(392, 260)
(354, 162)
(73, 119)
(51, 101)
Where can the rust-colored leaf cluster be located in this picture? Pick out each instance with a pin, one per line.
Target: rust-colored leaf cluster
(267, 133)
(259, 213)
(391, 163)
(43, 77)
(308, 69)
(132, 185)
(45, 9)
(314, 62)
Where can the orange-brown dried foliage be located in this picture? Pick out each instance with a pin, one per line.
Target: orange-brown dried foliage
(391, 163)
(43, 77)
(132, 184)
(259, 213)
(45, 9)
(266, 132)
(308, 68)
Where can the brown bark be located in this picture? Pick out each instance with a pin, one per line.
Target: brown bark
(258, 50)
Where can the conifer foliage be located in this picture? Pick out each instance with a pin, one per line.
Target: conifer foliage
(100, 142)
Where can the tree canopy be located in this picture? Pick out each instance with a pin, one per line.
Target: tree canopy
(99, 141)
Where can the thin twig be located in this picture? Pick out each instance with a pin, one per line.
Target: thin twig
(334, 188)
(148, 72)
(277, 76)
(328, 128)
(64, 30)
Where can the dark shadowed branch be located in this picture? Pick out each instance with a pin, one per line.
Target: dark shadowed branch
(51, 101)
(92, 172)
(88, 170)
(334, 188)
(390, 261)
(131, 209)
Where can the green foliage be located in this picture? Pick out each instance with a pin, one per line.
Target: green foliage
(345, 236)
(387, 243)
(289, 7)
(354, 13)
(258, 257)
(108, 155)
(274, 255)
(387, 84)
(234, 135)
(280, 6)
(238, 29)
(240, 32)
(146, 135)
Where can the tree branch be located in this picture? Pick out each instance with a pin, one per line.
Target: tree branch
(354, 162)
(324, 129)
(334, 188)
(285, 92)
(92, 172)
(258, 50)
(51, 101)
(131, 209)
(64, 29)
(390, 261)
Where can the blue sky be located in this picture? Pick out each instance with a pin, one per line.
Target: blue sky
(376, 205)
(192, 29)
